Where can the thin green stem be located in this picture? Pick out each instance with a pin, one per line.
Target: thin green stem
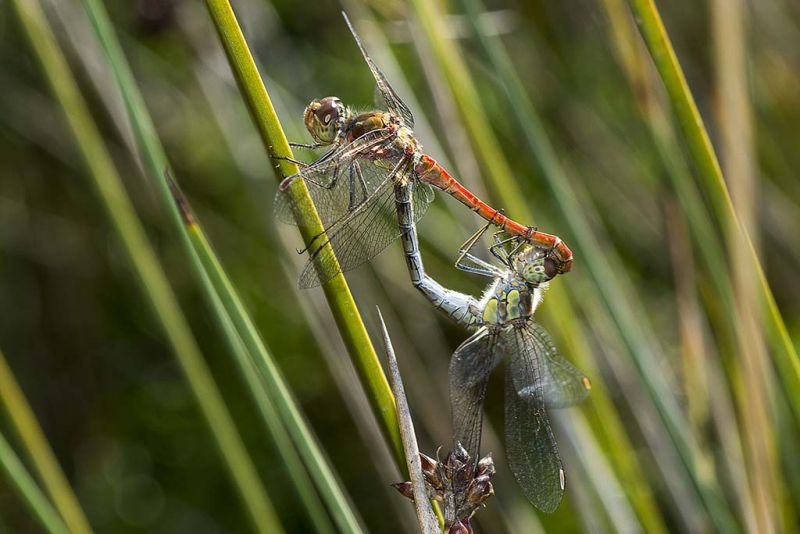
(272, 379)
(153, 279)
(30, 492)
(705, 159)
(488, 150)
(558, 306)
(157, 163)
(621, 304)
(39, 451)
(337, 292)
(701, 226)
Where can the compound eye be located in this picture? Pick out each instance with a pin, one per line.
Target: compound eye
(329, 110)
(550, 267)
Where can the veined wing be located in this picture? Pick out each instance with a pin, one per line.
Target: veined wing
(561, 383)
(530, 445)
(393, 102)
(363, 233)
(470, 367)
(337, 183)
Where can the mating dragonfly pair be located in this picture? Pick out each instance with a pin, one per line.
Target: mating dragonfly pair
(371, 186)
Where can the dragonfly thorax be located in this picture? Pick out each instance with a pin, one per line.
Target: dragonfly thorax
(364, 123)
(509, 299)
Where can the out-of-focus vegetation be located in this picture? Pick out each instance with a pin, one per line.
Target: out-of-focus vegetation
(552, 110)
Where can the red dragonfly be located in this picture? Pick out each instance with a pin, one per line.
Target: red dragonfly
(353, 184)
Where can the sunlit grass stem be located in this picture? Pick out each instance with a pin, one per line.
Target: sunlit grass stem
(691, 122)
(31, 494)
(143, 259)
(272, 379)
(38, 450)
(343, 307)
(731, 45)
(707, 243)
(158, 165)
(426, 518)
(558, 306)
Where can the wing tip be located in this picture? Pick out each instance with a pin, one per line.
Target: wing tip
(355, 35)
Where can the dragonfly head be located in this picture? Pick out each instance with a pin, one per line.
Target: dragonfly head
(324, 119)
(535, 266)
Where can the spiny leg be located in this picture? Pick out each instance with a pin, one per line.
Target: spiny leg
(362, 182)
(514, 251)
(301, 164)
(498, 249)
(480, 266)
(347, 216)
(310, 146)
(289, 179)
(356, 180)
(352, 190)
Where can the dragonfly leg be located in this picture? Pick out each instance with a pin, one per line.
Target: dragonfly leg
(514, 251)
(331, 184)
(356, 180)
(348, 216)
(499, 251)
(352, 192)
(361, 181)
(310, 146)
(301, 164)
(311, 241)
(479, 266)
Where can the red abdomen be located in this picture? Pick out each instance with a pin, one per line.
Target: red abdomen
(430, 172)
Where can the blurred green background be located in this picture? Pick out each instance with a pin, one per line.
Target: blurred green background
(624, 193)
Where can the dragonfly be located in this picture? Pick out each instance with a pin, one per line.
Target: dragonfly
(537, 377)
(352, 184)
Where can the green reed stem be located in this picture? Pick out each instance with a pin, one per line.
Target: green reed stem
(343, 307)
(705, 159)
(502, 180)
(609, 286)
(465, 94)
(143, 259)
(158, 165)
(707, 242)
(271, 377)
(38, 450)
(30, 492)
(606, 281)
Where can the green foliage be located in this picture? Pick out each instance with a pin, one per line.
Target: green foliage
(603, 122)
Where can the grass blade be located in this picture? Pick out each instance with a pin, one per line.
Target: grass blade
(156, 161)
(425, 516)
(143, 259)
(30, 492)
(273, 381)
(688, 116)
(39, 451)
(337, 292)
(707, 242)
(603, 265)
(731, 45)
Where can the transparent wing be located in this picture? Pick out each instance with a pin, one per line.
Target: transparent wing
(338, 183)
(470, 367)
(560, 384)
(393, 102)
(361, 234)
(530, 445)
